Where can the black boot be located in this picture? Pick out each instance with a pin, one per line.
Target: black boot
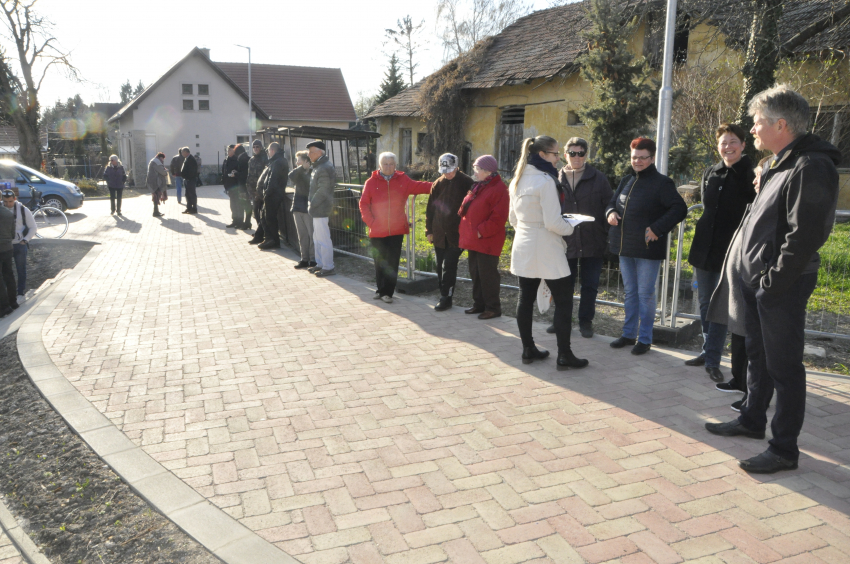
(532, 353)
(566, 359)
(445, 303)
(256, 240)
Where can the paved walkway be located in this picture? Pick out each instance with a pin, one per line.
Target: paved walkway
(347, 430)
(8, 553)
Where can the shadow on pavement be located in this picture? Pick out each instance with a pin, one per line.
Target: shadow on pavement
(178, 226)
(126, 224)
(74, 217)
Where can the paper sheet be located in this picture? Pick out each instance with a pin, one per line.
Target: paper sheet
(576, 218)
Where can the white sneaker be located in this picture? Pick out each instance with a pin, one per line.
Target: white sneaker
(387, 299)
(21, 299)
(377, 296)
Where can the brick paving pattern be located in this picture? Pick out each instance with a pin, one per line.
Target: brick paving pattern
(8, 553)
(347, 430)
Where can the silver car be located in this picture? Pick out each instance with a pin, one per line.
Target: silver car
(56, 193)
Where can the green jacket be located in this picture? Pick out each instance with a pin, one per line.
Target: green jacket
(322, 182)
(7, 229)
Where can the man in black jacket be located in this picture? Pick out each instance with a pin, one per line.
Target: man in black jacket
(788, 222)
(272, 184)
(228, 179)
(189, 172)
(176, 165)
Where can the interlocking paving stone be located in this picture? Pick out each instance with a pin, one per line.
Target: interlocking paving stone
(347, 430)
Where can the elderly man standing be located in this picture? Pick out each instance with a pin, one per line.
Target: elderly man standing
(254, 167)
(442, 222)
(157, 180)
(228, 179)
(272, 184)
(176, 165)
(788, 222)
(189, 172)
(319, 204)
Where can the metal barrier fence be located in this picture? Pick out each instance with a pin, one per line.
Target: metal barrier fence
(829, 308)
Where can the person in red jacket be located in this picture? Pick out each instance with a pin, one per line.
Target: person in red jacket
(483, 215)
(382, 206)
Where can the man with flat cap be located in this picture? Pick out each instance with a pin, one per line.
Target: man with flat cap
(442, 223)
(319, 205)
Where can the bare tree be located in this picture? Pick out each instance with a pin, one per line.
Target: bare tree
(22, 75)
(466, 22)
(405, 39)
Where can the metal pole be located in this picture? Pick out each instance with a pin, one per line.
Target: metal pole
(665, 111)
(410, 267)
(250, 105)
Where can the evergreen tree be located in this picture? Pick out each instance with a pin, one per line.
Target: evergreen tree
(624, 96)
(690, 156)
(140, 87)
(126, 92)
(393, 82)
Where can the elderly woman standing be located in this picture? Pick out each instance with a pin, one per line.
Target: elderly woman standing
(382, 206)
(156, 181)
(483, 215)
(727, 189)
(115, 177)
(539, 250)
(645, 207)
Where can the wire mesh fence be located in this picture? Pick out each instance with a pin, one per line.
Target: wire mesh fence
(676, 289)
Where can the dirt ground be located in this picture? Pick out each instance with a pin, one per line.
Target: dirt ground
(608, 320)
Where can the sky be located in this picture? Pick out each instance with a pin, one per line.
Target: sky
(112, 41)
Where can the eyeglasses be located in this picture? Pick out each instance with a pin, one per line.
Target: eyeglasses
(638, 158)
(552, 153)
(576, 153)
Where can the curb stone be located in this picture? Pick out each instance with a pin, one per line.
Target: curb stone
(218, 532)
(29, 551)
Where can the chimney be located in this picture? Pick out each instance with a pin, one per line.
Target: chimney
(205, 51)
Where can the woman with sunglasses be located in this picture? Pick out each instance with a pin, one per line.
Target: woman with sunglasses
(539, 250)
(586, 191)
(645, 207)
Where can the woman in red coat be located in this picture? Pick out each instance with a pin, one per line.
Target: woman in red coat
(482, 233)
(382, 206)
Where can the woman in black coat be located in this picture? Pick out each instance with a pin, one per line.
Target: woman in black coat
(645, 207)
(726, 189)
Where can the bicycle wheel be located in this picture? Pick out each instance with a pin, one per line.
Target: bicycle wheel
(50, 223)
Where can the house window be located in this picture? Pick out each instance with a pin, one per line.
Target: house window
(187, 89)
(188, 105)
(420, 141)
(406, 155)
(243, 138)
(510, 137)
(573, 118)
(203, 89)
(203, 104)
(833, 124)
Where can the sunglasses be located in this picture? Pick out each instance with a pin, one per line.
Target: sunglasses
(576, 153)
(8, 194)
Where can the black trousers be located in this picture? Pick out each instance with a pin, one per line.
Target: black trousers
(387, 253)
(191, 194)
(447, 259)
(254, 205)
(237, 206)
(271, 208)
(775, 339)
(562, 293)
(8, 293)
(484, 271)
(738, 346)
(115, 195)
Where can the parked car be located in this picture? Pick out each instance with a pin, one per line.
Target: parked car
(56, 192)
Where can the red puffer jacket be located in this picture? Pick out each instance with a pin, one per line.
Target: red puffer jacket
(487, 215)
(383, 202)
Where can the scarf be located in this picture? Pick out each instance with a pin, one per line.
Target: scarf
(473, 193)
(543, 166)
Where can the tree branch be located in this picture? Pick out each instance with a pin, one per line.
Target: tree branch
(788, 47)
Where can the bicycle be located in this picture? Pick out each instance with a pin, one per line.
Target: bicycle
(50, 222)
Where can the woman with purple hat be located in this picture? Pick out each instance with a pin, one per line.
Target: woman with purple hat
(483, 214)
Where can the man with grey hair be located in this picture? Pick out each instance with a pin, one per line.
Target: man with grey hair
(319, 205)
(272, 187)
(788, 222)
(442, 223)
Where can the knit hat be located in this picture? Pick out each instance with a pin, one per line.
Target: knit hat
(448, 163)
(257, 143)
(486, 162)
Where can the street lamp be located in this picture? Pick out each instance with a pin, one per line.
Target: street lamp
(250, 126)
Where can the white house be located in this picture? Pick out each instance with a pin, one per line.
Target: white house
(203, 105)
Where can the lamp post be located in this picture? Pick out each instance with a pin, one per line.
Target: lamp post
(250, 126)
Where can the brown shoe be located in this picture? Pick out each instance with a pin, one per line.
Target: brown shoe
(474, 309)
(489, 315)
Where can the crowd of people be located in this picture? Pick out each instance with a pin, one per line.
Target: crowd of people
(754, 251)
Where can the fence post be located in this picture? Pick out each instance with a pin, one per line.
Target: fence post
(665, 276)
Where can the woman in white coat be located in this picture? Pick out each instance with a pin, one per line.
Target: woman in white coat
(539, 250)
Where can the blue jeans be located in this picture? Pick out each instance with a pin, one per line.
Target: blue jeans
(178, 185)
(589, 272)
(19, 252)
(639, 277)
(713, 334)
